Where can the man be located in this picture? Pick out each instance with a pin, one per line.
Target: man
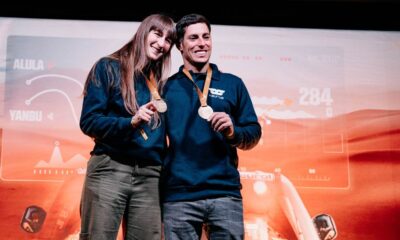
(211, 114)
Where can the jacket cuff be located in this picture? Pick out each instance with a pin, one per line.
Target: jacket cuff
(237, 137)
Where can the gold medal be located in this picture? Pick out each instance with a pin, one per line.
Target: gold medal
(161, 105)
(205, 112)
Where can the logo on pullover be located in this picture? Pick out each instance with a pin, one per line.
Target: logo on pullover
(217, 93)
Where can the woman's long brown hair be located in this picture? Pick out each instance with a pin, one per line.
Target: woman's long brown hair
(134, 61)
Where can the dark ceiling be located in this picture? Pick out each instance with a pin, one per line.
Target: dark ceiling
(330, 14)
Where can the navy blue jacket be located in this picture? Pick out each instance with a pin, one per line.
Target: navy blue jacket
(105, 119)
(200, 162)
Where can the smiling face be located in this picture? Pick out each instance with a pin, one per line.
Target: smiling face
(196, 47)
(158, 43)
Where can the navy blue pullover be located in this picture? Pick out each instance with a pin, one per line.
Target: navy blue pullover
(105, 119)
(200, 162)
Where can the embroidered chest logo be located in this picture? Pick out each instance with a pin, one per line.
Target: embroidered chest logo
(217, 93)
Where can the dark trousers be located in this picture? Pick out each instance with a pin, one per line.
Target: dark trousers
(113, 191)
(222, 218)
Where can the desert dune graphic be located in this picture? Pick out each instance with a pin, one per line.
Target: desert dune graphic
(57, 164)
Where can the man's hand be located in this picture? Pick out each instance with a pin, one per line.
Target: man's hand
(221, 122)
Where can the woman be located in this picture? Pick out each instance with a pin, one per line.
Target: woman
(122, 113)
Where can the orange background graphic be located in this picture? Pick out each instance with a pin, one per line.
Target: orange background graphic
(328, 102)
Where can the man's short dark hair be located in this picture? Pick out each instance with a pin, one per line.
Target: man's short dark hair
(186, 21)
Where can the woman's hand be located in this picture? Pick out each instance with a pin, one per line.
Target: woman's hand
(143, 114)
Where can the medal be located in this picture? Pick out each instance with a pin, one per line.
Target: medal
(161, 105)
(205, 112)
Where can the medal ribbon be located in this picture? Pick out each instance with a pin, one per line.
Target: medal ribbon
(151, 84)
(202, 95)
